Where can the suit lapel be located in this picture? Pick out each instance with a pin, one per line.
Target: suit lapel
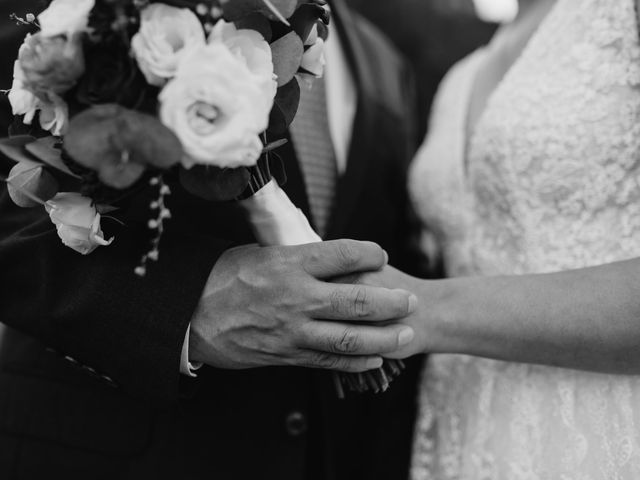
(362, 142)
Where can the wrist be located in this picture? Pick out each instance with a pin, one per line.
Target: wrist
(445, 306)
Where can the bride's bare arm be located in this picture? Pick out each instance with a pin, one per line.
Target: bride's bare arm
(586, 319)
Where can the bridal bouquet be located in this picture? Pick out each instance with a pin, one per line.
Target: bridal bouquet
(119, 92)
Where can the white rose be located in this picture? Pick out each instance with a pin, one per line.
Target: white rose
(54, 113)
(313, 60)
(165, 34)
(217, 107)
(22, 101)
(250, 47)
(54, 116)
(65, 17)
(77, 222)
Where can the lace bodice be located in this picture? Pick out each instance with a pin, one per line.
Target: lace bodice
(550, 181)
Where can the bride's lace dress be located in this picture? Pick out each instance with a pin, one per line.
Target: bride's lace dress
(550, 181)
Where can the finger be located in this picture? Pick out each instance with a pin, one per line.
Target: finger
(341, 339)
(341, 257)
(339, 363)
(361, 303)
(352, 279)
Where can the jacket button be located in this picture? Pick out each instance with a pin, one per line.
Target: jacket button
(296, 424)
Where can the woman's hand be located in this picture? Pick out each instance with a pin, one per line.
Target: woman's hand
(586, 319)
(423, 320)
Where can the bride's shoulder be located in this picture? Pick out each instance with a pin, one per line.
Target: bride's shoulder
(455, 87)
(466, 67)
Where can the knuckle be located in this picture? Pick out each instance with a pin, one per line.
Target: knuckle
(311, 254)
(353, 367)
(354, 303)
(338, 301)
(298, 335)
(348, 342)
(348, 254)
(326, 360)
(274, 255)
(361, 303)
(280, 264)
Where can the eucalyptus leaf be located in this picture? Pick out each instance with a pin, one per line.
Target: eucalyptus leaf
(275, 144)
(30, 185)
(215, 184)
(257, 22)
(323, 31)
(120, 144)
(14, 147)
(47, 151)
(285, 107)
(287, 56)
(305, 17)
(105, 209)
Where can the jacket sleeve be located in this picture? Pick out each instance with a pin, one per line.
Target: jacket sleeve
(94, 308)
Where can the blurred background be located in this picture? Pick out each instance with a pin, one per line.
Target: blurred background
(11, 37)
(432, 34)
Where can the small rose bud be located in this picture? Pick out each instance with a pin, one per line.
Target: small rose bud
(77, 222)
(201, 9)
(29, 184)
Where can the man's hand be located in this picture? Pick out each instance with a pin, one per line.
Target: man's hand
(427, 319)
(275, 306)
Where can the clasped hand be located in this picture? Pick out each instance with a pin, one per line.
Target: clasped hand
(276, 306)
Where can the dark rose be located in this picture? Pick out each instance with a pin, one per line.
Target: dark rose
(51, 64)
(113, 77)
(120, 144)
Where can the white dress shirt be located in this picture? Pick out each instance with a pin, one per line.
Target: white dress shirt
(341, 99)
(341, 109)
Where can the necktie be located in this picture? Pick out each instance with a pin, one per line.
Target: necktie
(314, 149)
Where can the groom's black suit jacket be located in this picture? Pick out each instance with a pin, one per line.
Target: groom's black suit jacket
(89, 382)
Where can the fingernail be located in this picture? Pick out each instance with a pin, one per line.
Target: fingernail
(386, 257)
(374, 363)
(406, 336)
(413, 303)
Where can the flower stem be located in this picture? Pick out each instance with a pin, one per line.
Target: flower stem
(276, 12)
(259, 175)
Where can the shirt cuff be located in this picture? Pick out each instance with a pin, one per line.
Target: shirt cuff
(186, 367)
